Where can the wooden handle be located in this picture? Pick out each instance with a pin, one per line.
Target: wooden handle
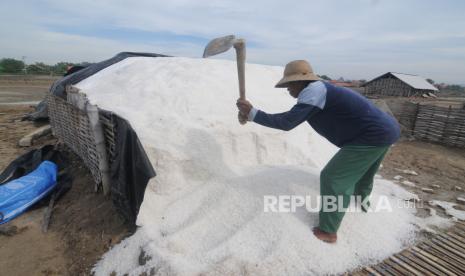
(240, 57)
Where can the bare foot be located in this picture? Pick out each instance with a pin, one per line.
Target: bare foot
(324, 236)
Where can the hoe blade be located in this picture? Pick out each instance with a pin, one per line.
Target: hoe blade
(219, 45)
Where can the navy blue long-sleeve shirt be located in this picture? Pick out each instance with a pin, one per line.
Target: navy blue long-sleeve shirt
(339, 114)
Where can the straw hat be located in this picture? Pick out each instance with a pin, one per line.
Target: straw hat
(297, 70)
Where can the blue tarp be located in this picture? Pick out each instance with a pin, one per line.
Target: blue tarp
(19, 194)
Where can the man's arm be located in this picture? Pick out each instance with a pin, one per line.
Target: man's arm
(286, 120)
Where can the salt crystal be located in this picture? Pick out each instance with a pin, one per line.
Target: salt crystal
(408, 183)
(449, 208)
(410, 172)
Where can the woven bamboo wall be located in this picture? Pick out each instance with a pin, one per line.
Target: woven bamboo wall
(434, 123)
(389, 87)
(72, 126)
(441, 124)
(407, 116)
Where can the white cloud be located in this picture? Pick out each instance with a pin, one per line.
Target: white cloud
(341, 38)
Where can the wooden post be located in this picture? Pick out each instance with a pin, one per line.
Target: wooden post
(444, 129)
(415, 118)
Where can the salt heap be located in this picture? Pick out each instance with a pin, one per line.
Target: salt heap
(204, 211)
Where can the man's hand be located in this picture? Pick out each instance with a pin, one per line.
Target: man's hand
(242, 119)
(244, 107)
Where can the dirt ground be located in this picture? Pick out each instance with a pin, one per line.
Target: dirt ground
(435, 165)
(439, 168)
(29, 89)
(84, 224)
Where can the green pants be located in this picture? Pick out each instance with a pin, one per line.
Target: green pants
(349, 172)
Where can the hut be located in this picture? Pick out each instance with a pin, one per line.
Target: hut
(399, 84)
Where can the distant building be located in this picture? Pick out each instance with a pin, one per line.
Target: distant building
(343, 83)
(398, 84)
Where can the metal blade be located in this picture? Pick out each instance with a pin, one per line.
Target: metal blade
(219, 45)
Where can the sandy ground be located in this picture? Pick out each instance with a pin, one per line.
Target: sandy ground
(84, 224)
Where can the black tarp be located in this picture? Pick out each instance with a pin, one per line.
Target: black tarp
(131, 169)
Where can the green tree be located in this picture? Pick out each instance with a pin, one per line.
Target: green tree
(11, 65)
(455, 87)
(39, 68)
(325, 77)
(430, 81)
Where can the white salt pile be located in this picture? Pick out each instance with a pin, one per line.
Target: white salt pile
(449, 208)
(433, 220)
(204, 211)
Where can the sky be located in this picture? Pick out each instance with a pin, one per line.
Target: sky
(357, 39)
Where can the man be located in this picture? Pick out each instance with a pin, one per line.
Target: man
(363, 133)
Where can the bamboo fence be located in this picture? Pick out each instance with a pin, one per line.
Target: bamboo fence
(74, 128)
(443, 125)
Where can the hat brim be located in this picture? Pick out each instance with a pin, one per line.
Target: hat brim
(284, 82)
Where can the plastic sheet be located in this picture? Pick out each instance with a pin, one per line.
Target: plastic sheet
(19, 194)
